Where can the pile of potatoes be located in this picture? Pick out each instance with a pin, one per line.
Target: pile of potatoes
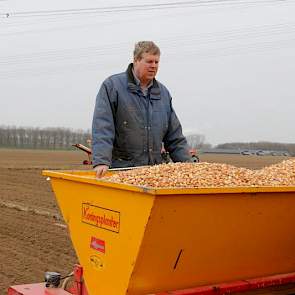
(192, 175)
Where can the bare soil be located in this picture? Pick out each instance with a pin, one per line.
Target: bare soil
(33, 236)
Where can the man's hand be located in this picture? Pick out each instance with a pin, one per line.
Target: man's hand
(101, 170)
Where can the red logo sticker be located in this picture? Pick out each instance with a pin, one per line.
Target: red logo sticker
(97, 244)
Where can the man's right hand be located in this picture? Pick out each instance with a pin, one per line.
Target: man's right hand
(101, 170)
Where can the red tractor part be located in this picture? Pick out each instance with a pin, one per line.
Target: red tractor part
(75, 286)
(282, 283)
(85, 149)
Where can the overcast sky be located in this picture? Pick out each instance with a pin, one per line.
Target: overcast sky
(229, 64)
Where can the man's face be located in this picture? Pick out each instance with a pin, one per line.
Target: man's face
(146, 68)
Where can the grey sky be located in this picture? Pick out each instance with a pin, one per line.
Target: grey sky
(229, 65)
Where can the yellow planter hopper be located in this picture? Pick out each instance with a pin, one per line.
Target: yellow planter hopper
(137, 240)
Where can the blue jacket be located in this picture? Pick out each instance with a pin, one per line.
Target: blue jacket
(128, 128)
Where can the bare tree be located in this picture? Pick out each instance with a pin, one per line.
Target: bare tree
(196, 140)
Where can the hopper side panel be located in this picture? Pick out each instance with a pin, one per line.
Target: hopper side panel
(206, 239)
(106, 226)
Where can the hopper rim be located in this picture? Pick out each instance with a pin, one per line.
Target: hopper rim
(79, 176)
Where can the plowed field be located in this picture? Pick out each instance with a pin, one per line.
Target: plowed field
(33, 236)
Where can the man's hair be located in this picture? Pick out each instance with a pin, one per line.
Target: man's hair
(145, 47)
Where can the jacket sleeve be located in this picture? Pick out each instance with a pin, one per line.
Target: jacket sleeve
(103, 129)
(174, 141)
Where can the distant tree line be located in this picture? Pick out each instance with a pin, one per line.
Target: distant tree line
(61, 138)
(261, 145)
(41, 138)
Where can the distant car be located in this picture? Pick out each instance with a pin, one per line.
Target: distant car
(246, 153)
(260, 153)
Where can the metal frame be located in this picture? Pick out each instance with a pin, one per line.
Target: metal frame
(79, 288)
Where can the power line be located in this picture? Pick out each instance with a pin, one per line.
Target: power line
(142, 7)
(198, 40)
(187, 50)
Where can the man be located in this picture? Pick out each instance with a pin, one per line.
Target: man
(133, 116)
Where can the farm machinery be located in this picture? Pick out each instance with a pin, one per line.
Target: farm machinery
(85, 149)
(179, 241)
(164, 154)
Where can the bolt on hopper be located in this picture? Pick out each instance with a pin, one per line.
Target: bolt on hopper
(137, 240)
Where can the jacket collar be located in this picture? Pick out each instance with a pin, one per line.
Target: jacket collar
(133, 87)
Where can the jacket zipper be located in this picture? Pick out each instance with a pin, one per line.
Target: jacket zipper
(148, 128)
